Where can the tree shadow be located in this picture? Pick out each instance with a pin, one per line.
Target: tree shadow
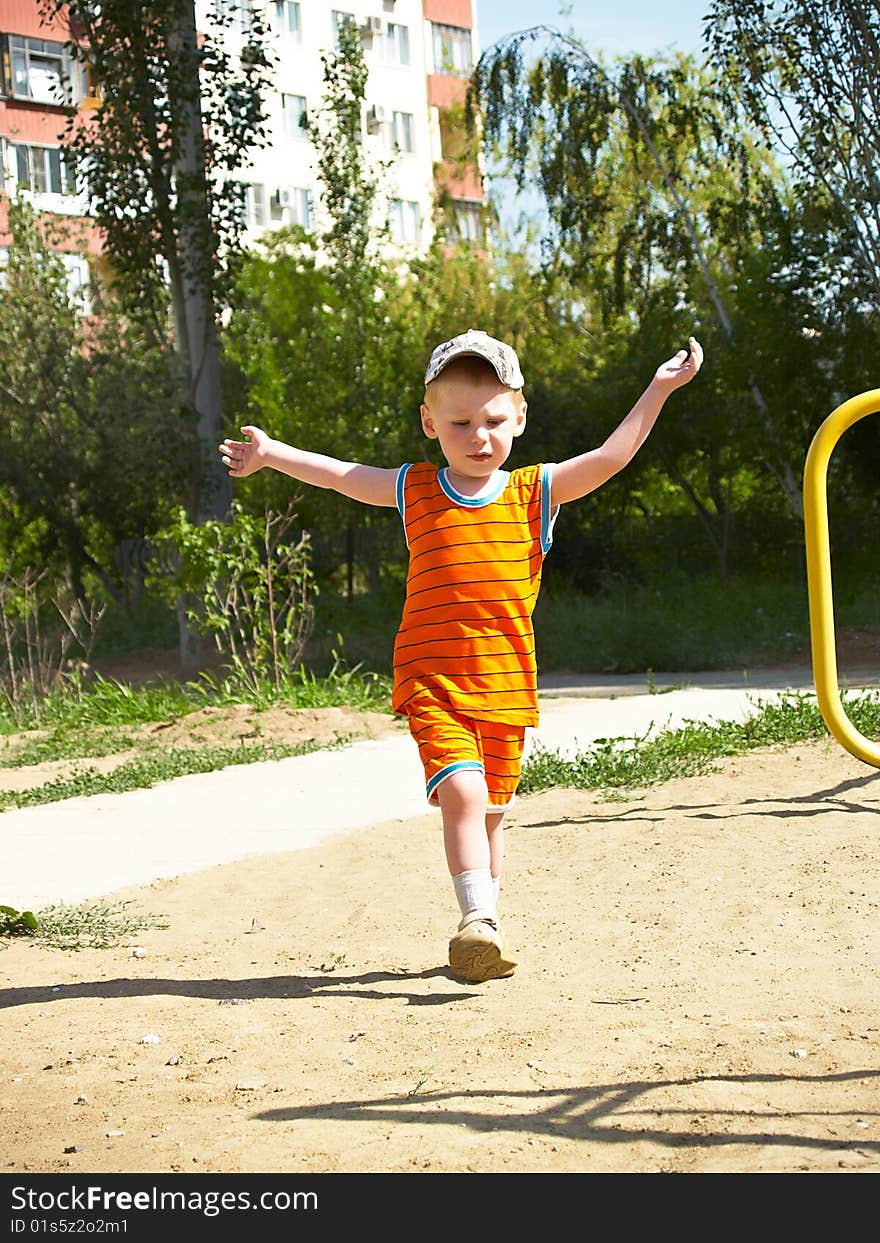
(789, 806)
(598, 1113)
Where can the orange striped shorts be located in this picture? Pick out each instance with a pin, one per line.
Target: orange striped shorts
(449, 742)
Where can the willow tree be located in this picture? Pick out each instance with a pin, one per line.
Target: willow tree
(644, 182)
(807, 72)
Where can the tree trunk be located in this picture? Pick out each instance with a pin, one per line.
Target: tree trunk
(197, 328)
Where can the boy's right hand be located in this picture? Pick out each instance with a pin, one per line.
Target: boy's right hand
(245, 457)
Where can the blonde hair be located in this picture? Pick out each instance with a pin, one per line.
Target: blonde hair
(470, 367)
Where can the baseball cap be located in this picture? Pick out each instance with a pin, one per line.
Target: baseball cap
(480, 344)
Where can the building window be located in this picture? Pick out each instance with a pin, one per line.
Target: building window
(405, 221)
(42, 170)
(296, 117)
(396, 44)
(297, 202)
(468, 222)
(452, 50)
(250, 204)
(235, 12)
(286, 18)
(301, 210)
(341, 19)
(79, 278)
(45, 72)
(255, 214)
(402, 131)
(78, 282)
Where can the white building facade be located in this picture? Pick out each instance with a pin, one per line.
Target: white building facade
(406, 49)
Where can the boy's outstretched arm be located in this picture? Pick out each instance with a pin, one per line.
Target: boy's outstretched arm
(373, 485)
(580, 475)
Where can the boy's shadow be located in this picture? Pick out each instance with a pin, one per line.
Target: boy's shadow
(277, 987)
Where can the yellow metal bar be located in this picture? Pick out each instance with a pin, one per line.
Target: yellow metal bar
(819, 574)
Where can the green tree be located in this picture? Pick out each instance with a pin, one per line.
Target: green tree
(96, 447)
(179, 112)
(806, 72)
(656, 203)
(315, 334)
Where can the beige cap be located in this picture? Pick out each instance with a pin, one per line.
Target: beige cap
(480, 345)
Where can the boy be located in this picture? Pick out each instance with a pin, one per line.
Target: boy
(465, 675)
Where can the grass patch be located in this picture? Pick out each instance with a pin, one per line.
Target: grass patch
(140, 774)
(63, 744)
(82, 926)
(106, 702)
(632, 763)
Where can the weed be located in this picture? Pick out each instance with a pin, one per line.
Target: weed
(15, 923)
(83, 926)
(421, 1087)
(333, 961)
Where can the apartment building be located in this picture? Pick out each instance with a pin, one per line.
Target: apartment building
(37, 79)
(419, 54)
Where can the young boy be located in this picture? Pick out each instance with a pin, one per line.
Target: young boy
(465, 675)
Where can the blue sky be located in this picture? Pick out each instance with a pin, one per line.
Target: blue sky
(616, 27)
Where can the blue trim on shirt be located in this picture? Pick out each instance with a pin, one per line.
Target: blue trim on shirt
(401, 477)
(473, 502)
(547, 519)
(401, 501)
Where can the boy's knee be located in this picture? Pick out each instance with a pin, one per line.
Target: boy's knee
(464, 789)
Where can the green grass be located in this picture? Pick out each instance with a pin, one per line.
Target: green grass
(633, 763)
(165, 765)
(106, 702)
(686, 624)
(682, 626)
(65, 744)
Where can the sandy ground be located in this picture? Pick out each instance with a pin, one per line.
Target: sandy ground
(698, 991)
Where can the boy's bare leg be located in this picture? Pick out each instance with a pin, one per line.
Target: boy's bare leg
(463, 801)
(495, 834)
(473, 840)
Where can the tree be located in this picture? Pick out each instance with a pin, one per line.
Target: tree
(314, 332)
(178, 115)
(648, 189)
(806, 72)
(96, 448)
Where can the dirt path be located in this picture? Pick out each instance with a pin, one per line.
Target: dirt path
(698, 990)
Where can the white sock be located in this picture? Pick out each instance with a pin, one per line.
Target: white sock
(475, 891)
(496, 886)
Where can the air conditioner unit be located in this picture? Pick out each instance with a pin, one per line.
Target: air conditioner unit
(376, 114)
(372, 26)
(283, 197)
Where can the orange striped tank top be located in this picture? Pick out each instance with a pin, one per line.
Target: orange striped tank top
(474, 572)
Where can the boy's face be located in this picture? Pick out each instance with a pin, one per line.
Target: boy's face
(475, 421)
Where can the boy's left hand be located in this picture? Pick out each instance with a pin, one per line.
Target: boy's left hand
(682, 367)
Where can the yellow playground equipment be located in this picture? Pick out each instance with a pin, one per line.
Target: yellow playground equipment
(819, 574)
